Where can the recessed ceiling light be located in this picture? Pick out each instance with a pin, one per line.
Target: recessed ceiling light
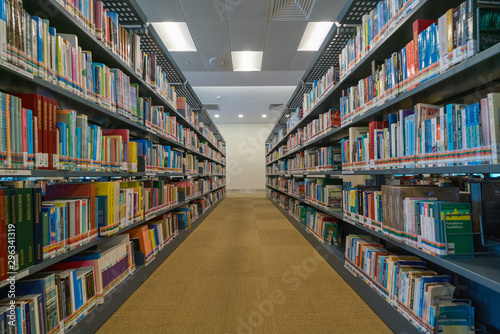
(175, 35)
(264, 116)
(216, 116)
(287, 116)
(247, 60)
(314, 35)
(240, 116)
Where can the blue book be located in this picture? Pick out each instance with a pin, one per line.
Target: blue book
(39, 24)
(78, 146)
(427, 280)
(393, 119)
(454, 317)
(29, 121)
(102, 211)
(449, 126)
(78, 289)
(403, 63)
(64, 138)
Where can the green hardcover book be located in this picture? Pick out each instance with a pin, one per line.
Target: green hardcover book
(46, 233)
(457, 228)
(24, 230)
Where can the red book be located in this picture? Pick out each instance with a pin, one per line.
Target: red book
(78, 230)
(53, 142)
(372, 126)
(418, 27)
(4, 263)
(24, 135)
(46, 130)
(34, 103)
(75, 191)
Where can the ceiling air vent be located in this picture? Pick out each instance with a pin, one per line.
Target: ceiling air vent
(212, 106)
(291, 10)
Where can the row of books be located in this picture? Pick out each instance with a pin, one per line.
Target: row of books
(294, 118)
(375, 25)
(160, 157)
(297, 210)
(208, 167)
(429, 218)
(428, 136)
(60, 296)
(324, 227)
(193, 118)
(320, 87)
(436, 46)
(56, 299)
(70, 215)
(211, 153)
(420, 294)
(293, 141)
(150, 238)
(324, 192)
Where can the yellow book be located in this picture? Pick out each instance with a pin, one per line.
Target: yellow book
(132, 156)
(449, 19)
(152, 238)
(60, 69)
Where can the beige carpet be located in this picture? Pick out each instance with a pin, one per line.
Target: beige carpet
(245, 269)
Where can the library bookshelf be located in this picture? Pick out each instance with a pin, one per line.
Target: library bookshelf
(290, 161)
(201, 167)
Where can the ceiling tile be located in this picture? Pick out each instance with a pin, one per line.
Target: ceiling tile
(224, 55)
(161, 10)
(277, 60)
(210, 36)
(207, 11)
(245, 10)
(326, 10)
(284, 35)
(193, 58)
(247, 36)
(302, 60)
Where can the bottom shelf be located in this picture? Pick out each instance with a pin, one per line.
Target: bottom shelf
(101, 313)
(334, 255)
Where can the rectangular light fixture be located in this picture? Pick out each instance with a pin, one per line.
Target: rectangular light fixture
(247, 60)
(314, 35)
(175, 35)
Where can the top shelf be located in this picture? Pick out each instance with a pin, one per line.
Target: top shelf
(395, 39)
(130, 15)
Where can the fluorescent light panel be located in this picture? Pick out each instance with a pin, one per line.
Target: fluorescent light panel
(175, 35)
(247, 60)
(240, 116)
(314, 35)
(216, 116)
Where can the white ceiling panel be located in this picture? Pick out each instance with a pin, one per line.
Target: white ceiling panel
(277, 60)
(205, 10)
(247, 36)
(302, 60)
(251, 102)
(326, 10)
(224, 55)
(210, 36)
(193, 60)
(161, 10)
(284, 35)
(247, 10)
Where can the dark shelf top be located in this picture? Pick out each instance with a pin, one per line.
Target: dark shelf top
(395, 40)
(483, 270)
(131, 15)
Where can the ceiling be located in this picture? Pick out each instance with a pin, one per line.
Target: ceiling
(221, 26)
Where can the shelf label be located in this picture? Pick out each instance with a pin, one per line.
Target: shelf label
(16, 69)
(15, 172)
(348, 172)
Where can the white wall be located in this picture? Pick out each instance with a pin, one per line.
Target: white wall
(245, 154)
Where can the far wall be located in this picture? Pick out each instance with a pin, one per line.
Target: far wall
(245, 154)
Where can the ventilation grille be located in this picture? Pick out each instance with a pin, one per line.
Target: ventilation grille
(212, 106)
(291, 10)
(128, 14)
(354, 13)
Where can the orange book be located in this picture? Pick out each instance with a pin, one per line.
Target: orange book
(142, 233)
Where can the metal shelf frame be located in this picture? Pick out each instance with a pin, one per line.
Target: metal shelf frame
(101, 313)
(132, 16)
(334, 255)
(47, 263)
(482, 270)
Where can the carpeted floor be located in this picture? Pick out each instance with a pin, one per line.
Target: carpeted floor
(245, 270)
